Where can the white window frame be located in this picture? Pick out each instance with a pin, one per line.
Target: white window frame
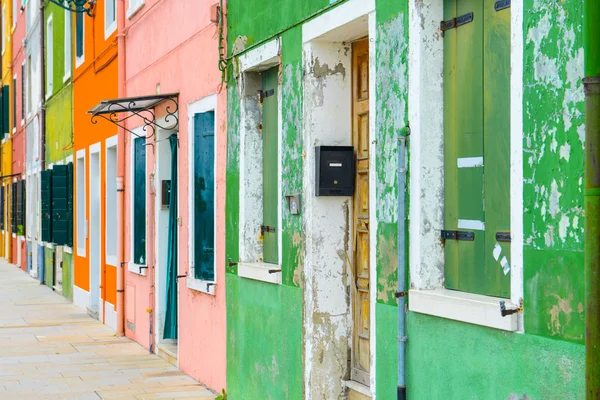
(80, 60)
(111, 259)
(14, 96)
(29, 85)
(81, 198)
(260, 59)
(203, 105)
(49, 56)
(134, 7)
(68, 47)
(23, 95)
(427, 294)
(4, 29)
(109, 26)
(15, 16)
(132, 266)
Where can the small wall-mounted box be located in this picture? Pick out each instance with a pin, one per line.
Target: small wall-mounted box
(334, 170)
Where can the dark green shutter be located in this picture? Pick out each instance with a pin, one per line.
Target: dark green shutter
(79, 21)
(60, 207)
(70, 204)
(22, 207)
(139, 202)
(46, 194)
(1, 207)
(270, 167)
(13, 207)
(204, 192)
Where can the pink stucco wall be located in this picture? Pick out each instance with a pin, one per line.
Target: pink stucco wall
(172, 45)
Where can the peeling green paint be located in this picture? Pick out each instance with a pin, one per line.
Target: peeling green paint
(553, 144)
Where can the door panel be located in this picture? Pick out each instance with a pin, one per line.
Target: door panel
(360, 130)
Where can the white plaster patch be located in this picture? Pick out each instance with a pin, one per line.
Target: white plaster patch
(575, 222)
(497, 251)
(565, 151)
(562, 227)
(581, 134)
(554, 198)
(505, 265)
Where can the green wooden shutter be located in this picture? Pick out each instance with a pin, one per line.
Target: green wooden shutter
(139, 202)
(70, 204)
(474, 127)
(46, 197)
(79, 21)
(22, 206)
(60, 207)
(270, 166)
(204, 192)
(1, 207)
(13, 207)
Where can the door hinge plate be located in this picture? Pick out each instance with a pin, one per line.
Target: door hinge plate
(456, 22)
(503, 237)
(263, 94)
(501, 5)
(458, 235)
(266, 228)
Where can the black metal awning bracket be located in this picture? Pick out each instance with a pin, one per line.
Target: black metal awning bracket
(456, 22)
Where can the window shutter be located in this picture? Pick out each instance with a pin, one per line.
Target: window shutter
(46, 193)
(139, 202)
(13, 207)
(204, 190)
(14, 103)
(2, 100)
(60, 223)
(70, 204)
(22, 203)
(79, 20)
(5, 110)
(2, 207)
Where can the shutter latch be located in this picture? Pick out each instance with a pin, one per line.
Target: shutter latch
(501, 5)
(266, 228)
(456, 22)
(458, 235)
(503, 237)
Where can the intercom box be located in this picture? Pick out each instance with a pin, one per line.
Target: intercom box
(334, 166)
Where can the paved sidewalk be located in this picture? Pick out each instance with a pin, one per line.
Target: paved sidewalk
(50, 349)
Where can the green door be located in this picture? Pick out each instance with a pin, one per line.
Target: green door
(270, 165)
(476, 137)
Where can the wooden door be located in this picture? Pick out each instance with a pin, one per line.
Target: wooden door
(360, 132)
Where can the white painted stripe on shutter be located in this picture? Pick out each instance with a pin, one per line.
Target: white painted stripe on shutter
(471, 224)
(470, 162)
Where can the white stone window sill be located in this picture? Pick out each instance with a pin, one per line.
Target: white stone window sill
(200, 285)
(465, 307)
(135, 268)
(260, 272)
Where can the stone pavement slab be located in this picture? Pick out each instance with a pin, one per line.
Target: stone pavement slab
(50, 349)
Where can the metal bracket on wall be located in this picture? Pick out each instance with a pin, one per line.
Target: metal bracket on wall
(501, 5)
(262, 95)
(268, 229)
(503, 237)
(456, 22)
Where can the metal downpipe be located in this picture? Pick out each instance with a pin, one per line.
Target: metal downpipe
(591, 82)
(401, 294)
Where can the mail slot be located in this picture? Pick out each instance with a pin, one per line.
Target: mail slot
(334, 168)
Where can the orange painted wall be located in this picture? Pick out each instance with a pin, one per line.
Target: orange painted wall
(94, 80)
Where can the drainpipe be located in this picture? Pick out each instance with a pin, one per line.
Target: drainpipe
(591, 45)
(121, 174)
(401, 294)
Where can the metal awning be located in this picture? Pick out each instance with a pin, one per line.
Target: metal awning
(118, 111)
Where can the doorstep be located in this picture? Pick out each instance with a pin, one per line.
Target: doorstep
(168, 352)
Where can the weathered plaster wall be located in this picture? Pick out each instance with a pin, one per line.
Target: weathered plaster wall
(59, 125)
(553, 144)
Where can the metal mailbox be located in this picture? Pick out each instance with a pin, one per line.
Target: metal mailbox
(334, 166)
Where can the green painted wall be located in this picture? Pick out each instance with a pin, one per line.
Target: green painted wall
(264, 340)
(453, 360)
(553, 143)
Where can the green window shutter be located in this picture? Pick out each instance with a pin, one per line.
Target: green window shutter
(46, 197)
(139, 202)
(1, 207)
(70, 204)
(204, 192)
(22, 207)
(2, 120)
(270, 166)
(476, 58)
(60, 222)
(79, 21)
(13, 207)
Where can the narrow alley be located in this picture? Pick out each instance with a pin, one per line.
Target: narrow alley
(51, 349)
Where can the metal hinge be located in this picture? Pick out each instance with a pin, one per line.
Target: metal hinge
(458, 235)
(266, 228)
(503, 236)
(501, 5)
(263, 94)
(456, 22)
